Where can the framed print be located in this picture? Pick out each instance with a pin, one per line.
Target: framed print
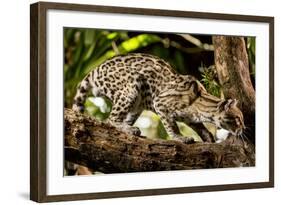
(134, 102)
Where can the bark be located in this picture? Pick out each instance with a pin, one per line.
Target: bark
(102, 147)
(232, 67)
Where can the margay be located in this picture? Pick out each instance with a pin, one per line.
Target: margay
(137, 82)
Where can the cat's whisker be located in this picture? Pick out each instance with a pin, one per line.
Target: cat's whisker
(245, 136)
(241, 137)
(247, 132)
(247, 129)
(249, 126)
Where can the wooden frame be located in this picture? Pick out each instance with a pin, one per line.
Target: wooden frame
(38, 96)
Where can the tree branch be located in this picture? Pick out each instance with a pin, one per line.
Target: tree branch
(232, 67)
(102, 147)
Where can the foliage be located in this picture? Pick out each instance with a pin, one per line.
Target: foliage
(251, 47)
(98, 107)
(210, 81)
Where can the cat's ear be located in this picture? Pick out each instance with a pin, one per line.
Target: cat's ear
(234, 103)
(227, 104)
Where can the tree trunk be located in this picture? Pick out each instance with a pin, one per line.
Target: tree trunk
(103, 148)
(232, 67)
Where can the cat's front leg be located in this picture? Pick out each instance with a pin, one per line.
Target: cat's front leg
(202, 131)
(172, 129)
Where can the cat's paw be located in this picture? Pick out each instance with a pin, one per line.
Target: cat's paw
(123, 127)
(185, 140)
(133, 131)
(130, 130)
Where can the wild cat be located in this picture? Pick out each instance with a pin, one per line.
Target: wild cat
(137, 82)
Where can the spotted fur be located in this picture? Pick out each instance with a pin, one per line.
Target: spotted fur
(137, 82)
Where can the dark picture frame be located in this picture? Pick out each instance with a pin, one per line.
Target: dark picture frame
(38, 102)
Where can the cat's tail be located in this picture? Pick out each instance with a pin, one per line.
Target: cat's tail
(83, 89)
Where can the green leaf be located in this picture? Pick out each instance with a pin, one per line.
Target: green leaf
(89, 38)
(127, 46)
(112, 36)
(78, 52)
(89, 52)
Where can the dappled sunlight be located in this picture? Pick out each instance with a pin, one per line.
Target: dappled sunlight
(148, 123)
(100, 102)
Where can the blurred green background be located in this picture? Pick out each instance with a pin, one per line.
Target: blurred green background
(85, 49)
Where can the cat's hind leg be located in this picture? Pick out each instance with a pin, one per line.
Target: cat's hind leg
(125, 112)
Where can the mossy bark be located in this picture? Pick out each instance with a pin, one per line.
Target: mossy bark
(232, 65)
(103, 148)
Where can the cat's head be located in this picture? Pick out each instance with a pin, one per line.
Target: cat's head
(230, 117)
